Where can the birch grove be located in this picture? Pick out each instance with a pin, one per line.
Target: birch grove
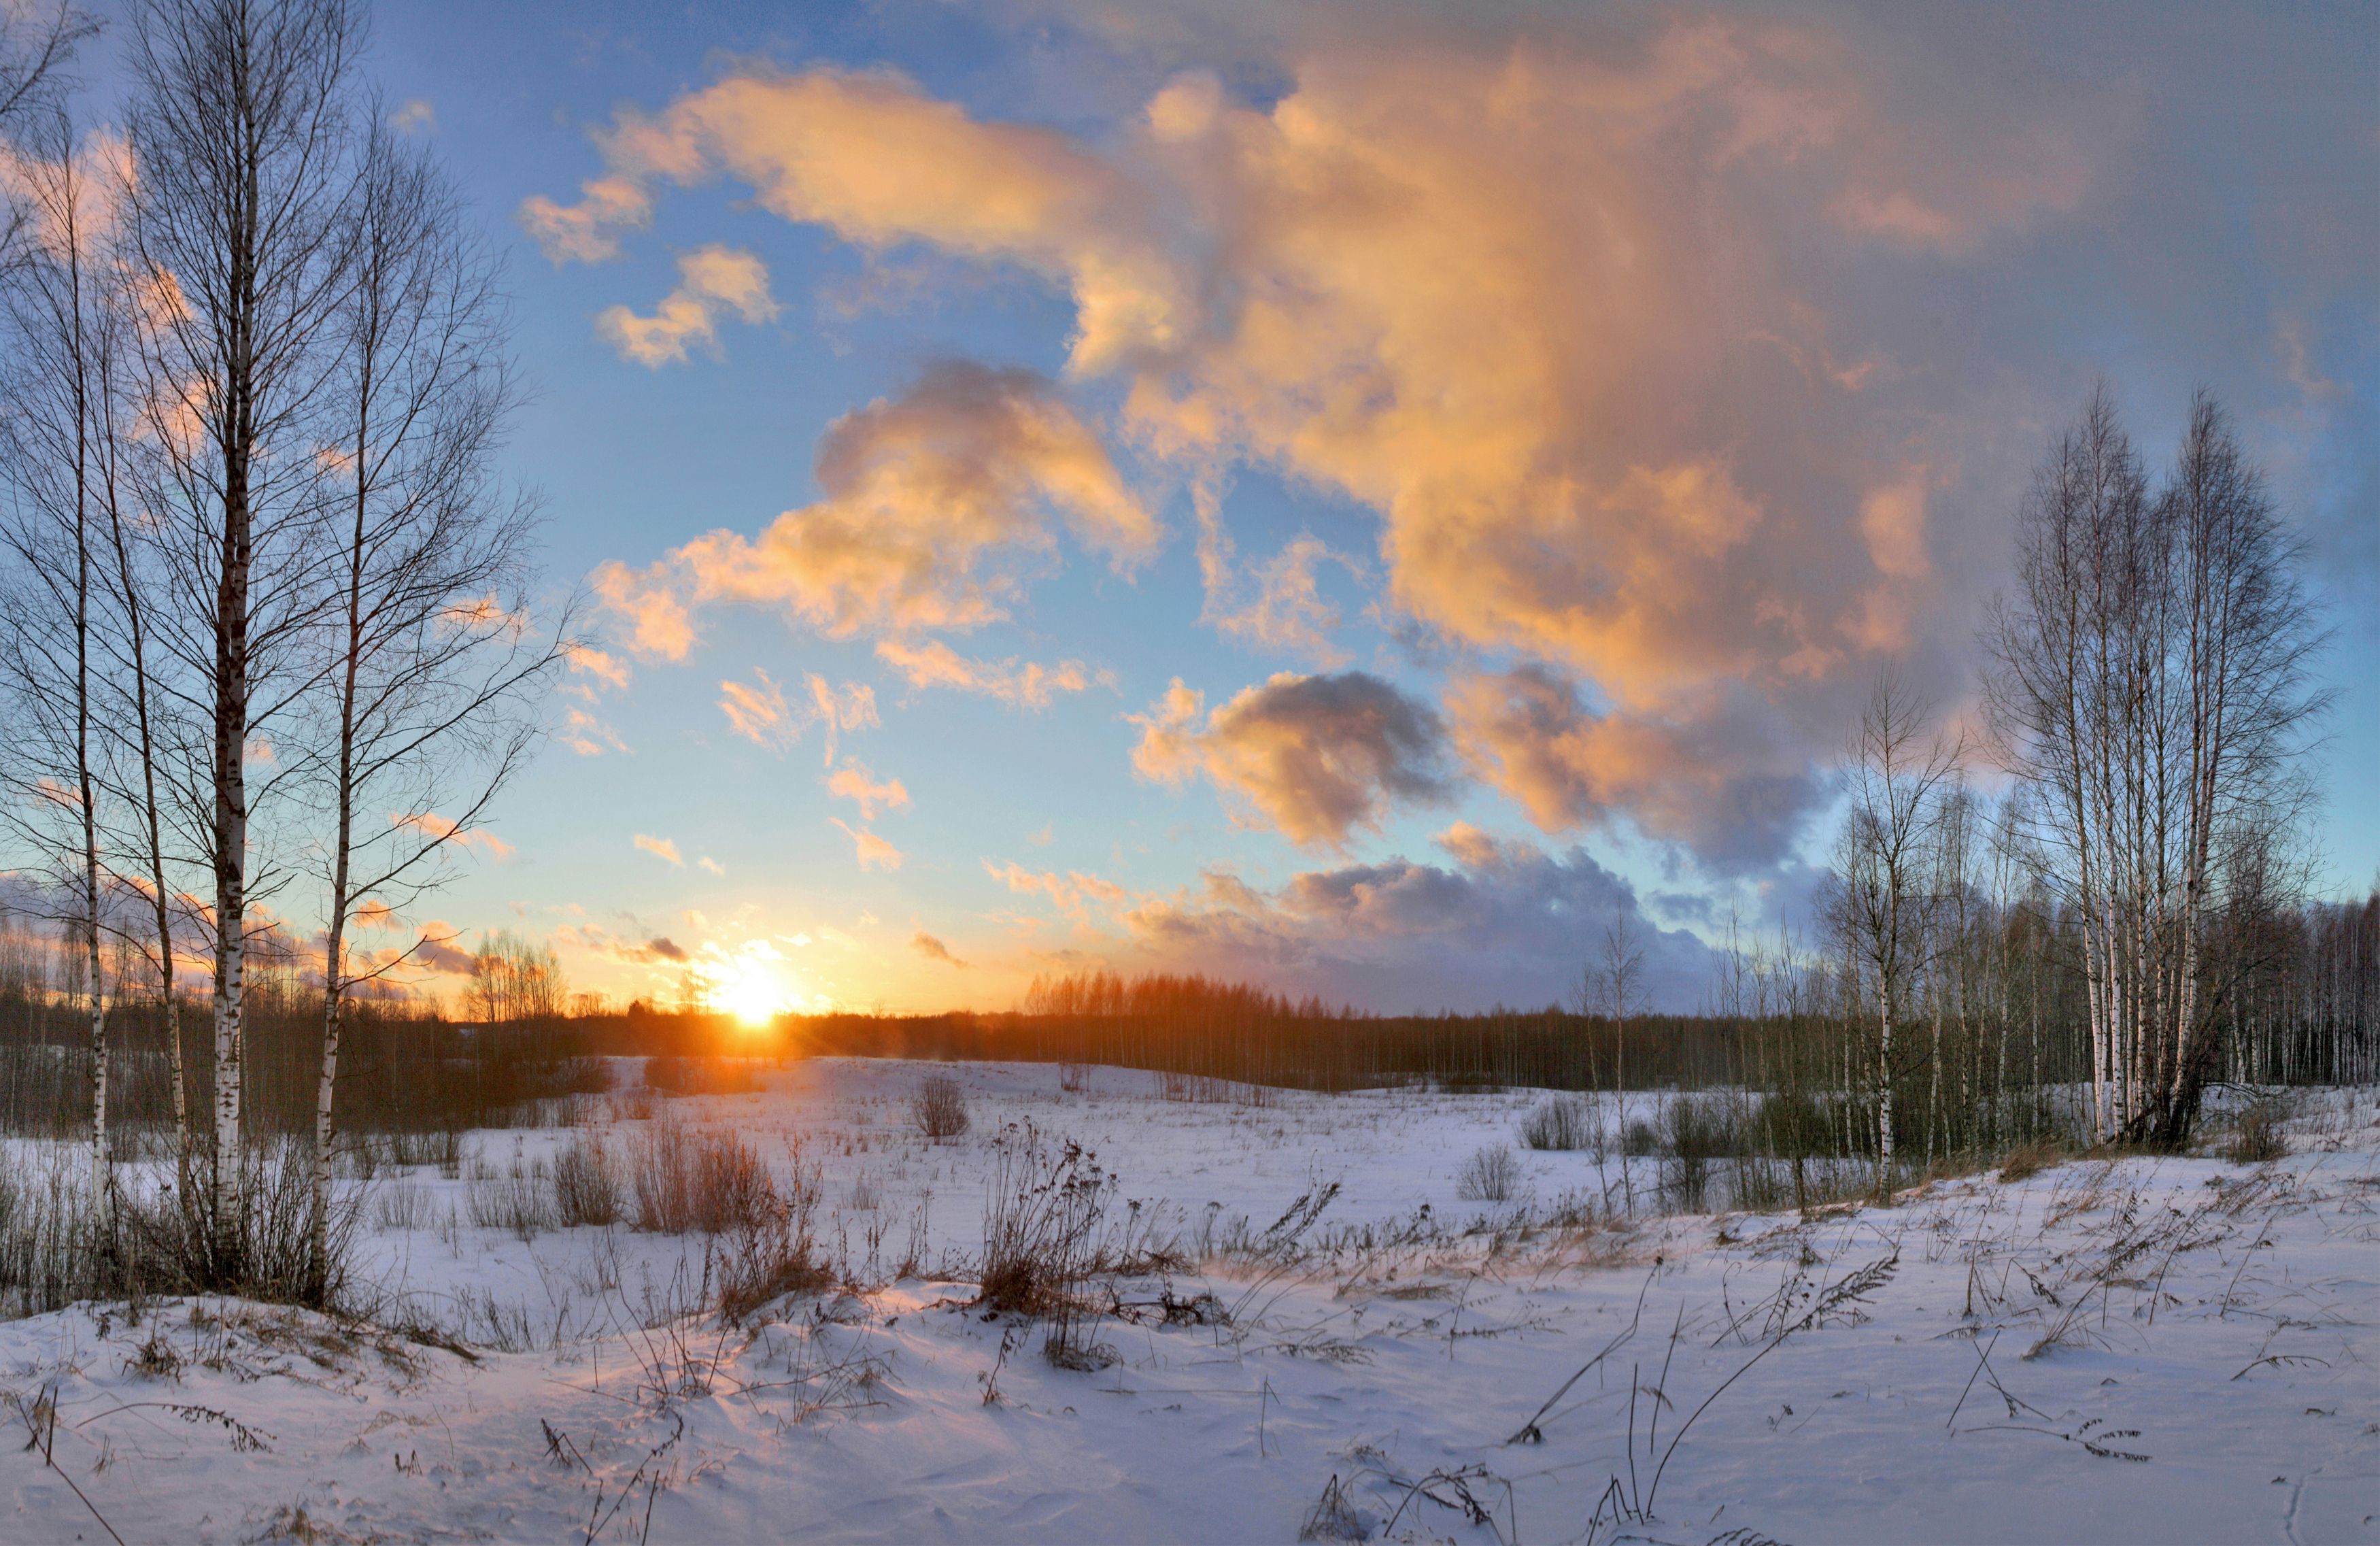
(2150, 689)
(271, 614)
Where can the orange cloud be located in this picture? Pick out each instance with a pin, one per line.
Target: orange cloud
(1272, 606)
(761, 712)
(1071, 894)
(435, 828)
(713, 282)
(1030, 685)
(586, 734)
(604, 667)
(874, 852)
(1557, 311)
(1709, 781)
(853, 781)
(659, 848)
(871, 158)
(1318, 757)
(933, 501)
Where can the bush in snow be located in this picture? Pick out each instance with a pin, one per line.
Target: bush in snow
(1565, 1122)
(1491, 1176)
(939, 1107)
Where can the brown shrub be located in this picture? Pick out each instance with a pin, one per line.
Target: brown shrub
(939, 1107)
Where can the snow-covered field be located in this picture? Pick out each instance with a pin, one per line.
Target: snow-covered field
(2168, 1350)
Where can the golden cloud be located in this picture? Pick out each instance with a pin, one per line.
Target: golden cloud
(713, 282)
(933, 500)
(1551, 310)
(869, 156)
(1030, 685)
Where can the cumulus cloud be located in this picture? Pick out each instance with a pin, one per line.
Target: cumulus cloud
(1504, 922)
(661, 848)
(1708, 780)
(1688, 358)
(935, 502)
(873, 852)
(1030, 685)
(437, 951)
(853, 781)
(1316, 757)
(713, 281)
(588, 733)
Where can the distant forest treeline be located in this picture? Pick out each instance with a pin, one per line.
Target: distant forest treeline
(2002, 1024)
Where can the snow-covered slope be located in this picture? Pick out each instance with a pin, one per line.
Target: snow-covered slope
(2168, 1350)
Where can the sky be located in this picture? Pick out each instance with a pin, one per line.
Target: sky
(1353, 497)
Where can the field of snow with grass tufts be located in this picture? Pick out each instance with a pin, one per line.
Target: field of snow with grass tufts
(1212, 1313)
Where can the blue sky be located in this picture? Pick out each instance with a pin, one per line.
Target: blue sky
(1645, 379)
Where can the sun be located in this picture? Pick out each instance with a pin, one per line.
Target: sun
(754, 993)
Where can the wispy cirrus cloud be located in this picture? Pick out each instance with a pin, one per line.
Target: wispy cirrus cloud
(761, 713)
(1028, 685)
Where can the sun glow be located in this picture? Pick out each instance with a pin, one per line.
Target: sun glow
(754, 992)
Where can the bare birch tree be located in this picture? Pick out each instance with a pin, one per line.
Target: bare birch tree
(239, 222)
(61, 435)
(427, 711)
(1900, 772)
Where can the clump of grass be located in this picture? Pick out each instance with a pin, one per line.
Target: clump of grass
(399, 1204)
(1697, 1130)
(1044, 1225)
(1491, 1176)
(587, 1184)
(1564, 1122)
(2259, 1136)
(2027, 1160)
(518, 1198)
(60, 1243)
(939, 1107)
(686, 1180)
(772, 1251)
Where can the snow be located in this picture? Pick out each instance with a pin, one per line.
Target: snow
(2019, 1343)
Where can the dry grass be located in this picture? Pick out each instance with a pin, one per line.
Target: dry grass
(587, 1187)
(2027, 1160)
(2259, 1135)
(701, 1076)
(709, 1180)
